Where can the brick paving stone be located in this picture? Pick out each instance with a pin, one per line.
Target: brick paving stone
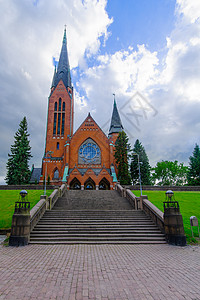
(74, 272)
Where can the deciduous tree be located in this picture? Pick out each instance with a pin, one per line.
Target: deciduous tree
(170, 173)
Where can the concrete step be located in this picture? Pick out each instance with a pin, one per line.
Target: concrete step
(90, 217)
(141, 242)
(99, 238)
(93, 231)
(97, 235)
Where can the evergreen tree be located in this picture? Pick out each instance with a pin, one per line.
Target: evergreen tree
(144, 165)
(194, 167)
(17, 166)
(122, 149)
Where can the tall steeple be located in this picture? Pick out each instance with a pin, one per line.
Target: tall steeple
(116, 124)
(63, 70)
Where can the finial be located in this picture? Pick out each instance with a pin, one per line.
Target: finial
(114, 97)
(64, 37)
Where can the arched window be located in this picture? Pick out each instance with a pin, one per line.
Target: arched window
(63, 123)
(55, 106)
(59, 108)
(56, 174)
(54, 123)
(58, 145)
(63, 108)
(58, 128)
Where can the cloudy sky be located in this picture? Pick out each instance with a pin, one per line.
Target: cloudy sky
(147, 52)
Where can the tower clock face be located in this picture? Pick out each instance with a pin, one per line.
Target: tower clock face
(89, 152)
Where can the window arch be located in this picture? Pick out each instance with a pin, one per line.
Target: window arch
(55, 106)
(63, 106)
(56, 174)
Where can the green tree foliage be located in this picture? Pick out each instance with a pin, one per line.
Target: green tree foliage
(122, 150)
(17, 166)
(170, 173)
(145, 168)
(194, 167)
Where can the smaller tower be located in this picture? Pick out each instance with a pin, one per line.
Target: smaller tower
(116, 124)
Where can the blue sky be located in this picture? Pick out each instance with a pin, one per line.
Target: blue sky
(139, 22)
(146, 52)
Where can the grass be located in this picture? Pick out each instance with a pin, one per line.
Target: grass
(189, 203)
(7, 204)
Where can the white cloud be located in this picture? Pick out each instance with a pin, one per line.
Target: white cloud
(171, 85)
(31, 34)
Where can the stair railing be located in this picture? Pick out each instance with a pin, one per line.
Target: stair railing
(142, 203)
(155, 214)
(45, 204)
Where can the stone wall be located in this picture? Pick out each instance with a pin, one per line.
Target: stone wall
(26, 187)
(162, 188)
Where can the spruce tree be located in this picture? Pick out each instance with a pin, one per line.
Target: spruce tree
(17, 166)
(194, 167)
(144, 165)
(122, 149)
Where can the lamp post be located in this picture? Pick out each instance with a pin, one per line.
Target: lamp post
(173, 221)
(134, 153)
(20, 229)
(45, 176)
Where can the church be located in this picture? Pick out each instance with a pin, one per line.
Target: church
(83, 159)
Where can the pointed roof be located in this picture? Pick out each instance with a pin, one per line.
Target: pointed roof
(116, 124)
(63, 70)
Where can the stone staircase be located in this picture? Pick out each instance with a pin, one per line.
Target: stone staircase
(95, 217)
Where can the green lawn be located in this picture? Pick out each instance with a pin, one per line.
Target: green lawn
(7, 204)
(189, 203)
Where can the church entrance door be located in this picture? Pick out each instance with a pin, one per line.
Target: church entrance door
(75, 184)
(104, 184)
(89, 184)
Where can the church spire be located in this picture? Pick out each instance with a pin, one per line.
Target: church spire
(63, 71)
(116, 124)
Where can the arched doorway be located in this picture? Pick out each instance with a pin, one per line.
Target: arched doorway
(104, 184)
(75, 184)
(89, 184)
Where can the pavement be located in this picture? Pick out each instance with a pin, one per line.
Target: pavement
(78, 272)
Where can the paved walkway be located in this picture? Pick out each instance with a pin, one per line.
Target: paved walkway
(100, 272)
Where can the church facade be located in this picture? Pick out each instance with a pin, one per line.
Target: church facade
(83, 159)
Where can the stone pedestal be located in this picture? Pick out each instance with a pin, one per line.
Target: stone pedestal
(173, 223)
(20, 230)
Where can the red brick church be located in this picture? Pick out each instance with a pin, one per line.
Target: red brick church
(83, 159)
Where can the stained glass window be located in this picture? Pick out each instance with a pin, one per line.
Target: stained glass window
(89, 153)
(56, 174)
